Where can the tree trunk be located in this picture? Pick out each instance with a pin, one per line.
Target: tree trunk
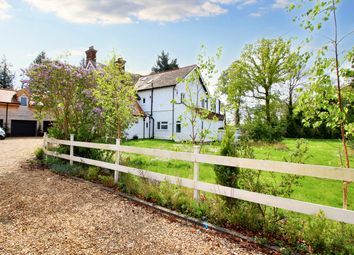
(290, 106)
(267, 106)
(119, 132)
(237, 116)
(340, 105)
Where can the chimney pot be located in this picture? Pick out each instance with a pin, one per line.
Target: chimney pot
(91, 55)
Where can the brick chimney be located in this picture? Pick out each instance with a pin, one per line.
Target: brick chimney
(121, 63)
(91, 55)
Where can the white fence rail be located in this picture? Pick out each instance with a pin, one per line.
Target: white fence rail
(333, 173)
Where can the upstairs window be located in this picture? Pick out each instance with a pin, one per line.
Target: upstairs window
(202, 103)
(23, 101)
(143, 100)
(162, 125)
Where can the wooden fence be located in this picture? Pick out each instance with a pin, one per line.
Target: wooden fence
(332, 173)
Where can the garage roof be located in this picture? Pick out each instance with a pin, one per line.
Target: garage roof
(8, 96)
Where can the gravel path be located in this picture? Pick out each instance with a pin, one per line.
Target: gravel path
(43, 213)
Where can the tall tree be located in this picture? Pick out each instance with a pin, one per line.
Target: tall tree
(40, 58)
(6, 75)
(116, 95)
(261, 66)
(233, 86)
(163, 63)
(297, 72)
(328, 100)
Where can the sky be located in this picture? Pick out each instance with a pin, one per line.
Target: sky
(139, 30)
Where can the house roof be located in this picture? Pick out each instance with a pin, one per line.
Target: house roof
(138, 111)
(211, 115)
(163, 79)
(8, 96)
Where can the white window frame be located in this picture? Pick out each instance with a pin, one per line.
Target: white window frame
(162, 125)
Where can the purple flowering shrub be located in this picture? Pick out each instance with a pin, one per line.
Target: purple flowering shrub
(64, 93)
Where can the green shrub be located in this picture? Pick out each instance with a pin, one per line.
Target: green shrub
(39, 154)
(92, 173)
(300, 154)
(67, 170)
(259, 130)
(226, 175)
(129, 184)
(107, 181)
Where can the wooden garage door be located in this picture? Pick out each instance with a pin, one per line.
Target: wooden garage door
(23, 128)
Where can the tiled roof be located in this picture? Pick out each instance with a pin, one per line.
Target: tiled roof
(8, 96)
(138, 111)
(164, 79)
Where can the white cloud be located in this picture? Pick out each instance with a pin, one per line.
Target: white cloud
(4, 8)
(281, 4)
(129, 11)
(256, 14)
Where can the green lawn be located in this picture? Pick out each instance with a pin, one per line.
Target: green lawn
(322, 152)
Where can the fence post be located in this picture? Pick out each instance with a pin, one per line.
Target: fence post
(116, 173)
(196, 172)
(71, 149)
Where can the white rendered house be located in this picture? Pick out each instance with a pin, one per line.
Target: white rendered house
(164, 101)
(161, 107)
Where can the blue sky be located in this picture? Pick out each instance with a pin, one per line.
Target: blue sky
(139, 29)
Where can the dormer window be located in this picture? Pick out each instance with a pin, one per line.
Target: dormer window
(23, 101)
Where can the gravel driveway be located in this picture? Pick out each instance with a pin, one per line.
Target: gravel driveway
(44, 213)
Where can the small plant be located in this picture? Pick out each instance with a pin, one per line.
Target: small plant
(300, 154)
(107, 181)
(92, 173)
(39, 153)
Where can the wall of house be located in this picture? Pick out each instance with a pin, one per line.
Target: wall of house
(197, 93)
(136, 130)
(145, 94)
(162, 112)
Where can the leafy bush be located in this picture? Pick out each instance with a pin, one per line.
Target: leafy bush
(259, 130)
(107, 181)
(300, 154)
(39, 154)
(92, 173)
(65, 169)
(226, 175)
